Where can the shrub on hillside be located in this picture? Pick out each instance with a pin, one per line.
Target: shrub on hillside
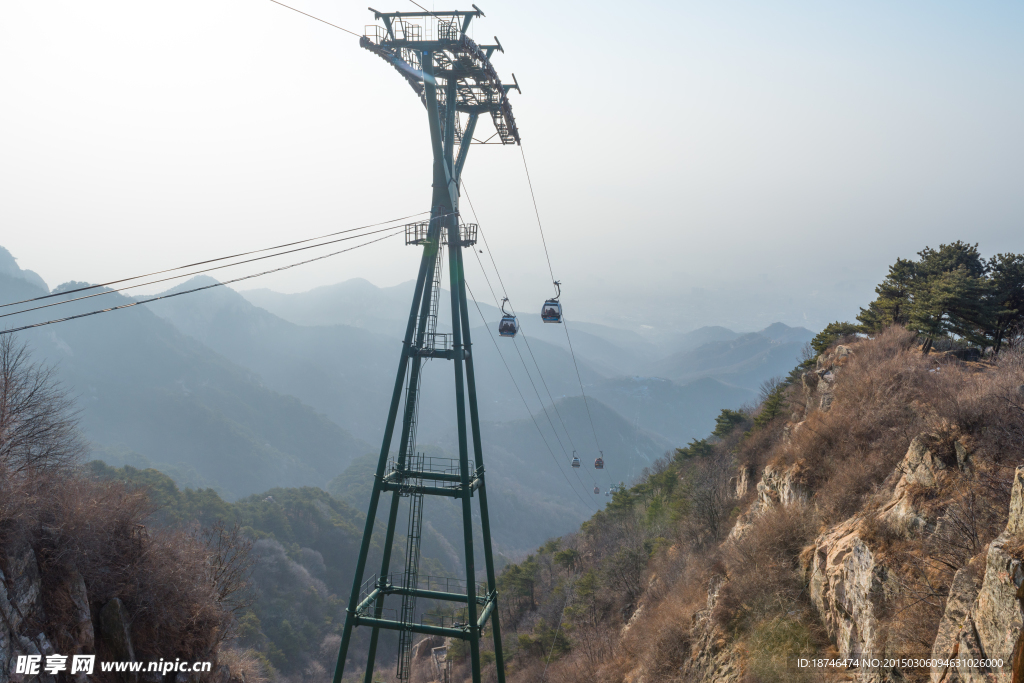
(180, 588)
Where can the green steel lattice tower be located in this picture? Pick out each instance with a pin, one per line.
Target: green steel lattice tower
(456, 83)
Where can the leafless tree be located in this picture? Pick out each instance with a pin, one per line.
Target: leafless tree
(769, 387)
(230, 564)
(625, 568)
(38, 419)
(711, 499)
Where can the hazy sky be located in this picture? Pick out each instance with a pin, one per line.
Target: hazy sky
(717, 162)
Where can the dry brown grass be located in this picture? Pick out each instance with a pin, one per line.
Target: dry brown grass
(662, 638)
(244, 665)
(763, 568)
(886, 394)
(179, 587)
(165, 578)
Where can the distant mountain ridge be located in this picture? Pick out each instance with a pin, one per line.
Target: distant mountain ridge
(744, 361)
(219, 391)
(608, 350)
(146, 388)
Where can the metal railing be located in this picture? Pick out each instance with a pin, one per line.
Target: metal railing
(441, 584)
(449, 466)
(416, 233)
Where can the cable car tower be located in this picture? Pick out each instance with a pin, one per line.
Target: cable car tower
(455, 81)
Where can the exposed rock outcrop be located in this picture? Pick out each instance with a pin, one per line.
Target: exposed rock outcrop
(709, 654)
(81, 629)
(713, 657)
(114, 627)
(24, 629)
(984, 621)
(21, 609)
(847, 581)
(921, 469)
(779, 485)
(819, 384)
(846, 584)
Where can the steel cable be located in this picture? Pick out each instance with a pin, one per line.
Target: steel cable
(197, 289)
(525, 340)
(213, 260)
(523, 398)
(551, 271)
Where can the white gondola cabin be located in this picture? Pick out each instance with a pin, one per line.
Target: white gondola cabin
(509, 325)
(575, 460)
(551, 311)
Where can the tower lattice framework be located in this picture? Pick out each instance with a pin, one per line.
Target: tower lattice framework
(456, 83)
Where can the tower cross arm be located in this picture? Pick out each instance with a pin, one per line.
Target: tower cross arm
(476, 12)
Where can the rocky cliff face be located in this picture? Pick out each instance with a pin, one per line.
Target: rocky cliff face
(779, 485)
(21, 608)
(849, 581)
(984, 614)
(878, 514)
(819, 384)
(22, 632)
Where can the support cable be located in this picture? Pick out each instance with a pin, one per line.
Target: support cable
(547, 662)
(213, 260)
(197, 289)
(196, 272)
(536, 211)
(593, 429)
(565, 324)
(523, 332)
(523, 398)
(317, 18)
(544, 382)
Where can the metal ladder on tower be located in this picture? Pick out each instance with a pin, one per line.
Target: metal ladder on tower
(412, 565)
(435, 285)
(415, 463)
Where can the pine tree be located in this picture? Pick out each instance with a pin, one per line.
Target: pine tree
(894, 296)
(831, 334)
(953, 303)
(1006, 273)
(727, 421)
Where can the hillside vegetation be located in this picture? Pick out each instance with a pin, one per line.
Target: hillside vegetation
(697, 573)
(303, 547)
(869, 506)
(82, 571)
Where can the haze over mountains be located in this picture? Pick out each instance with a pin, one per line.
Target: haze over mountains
(246, 391)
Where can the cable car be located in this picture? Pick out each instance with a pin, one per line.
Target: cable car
(599, 463)
(597, 490)
(551, 311)
(509, 326)
(575, 460)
